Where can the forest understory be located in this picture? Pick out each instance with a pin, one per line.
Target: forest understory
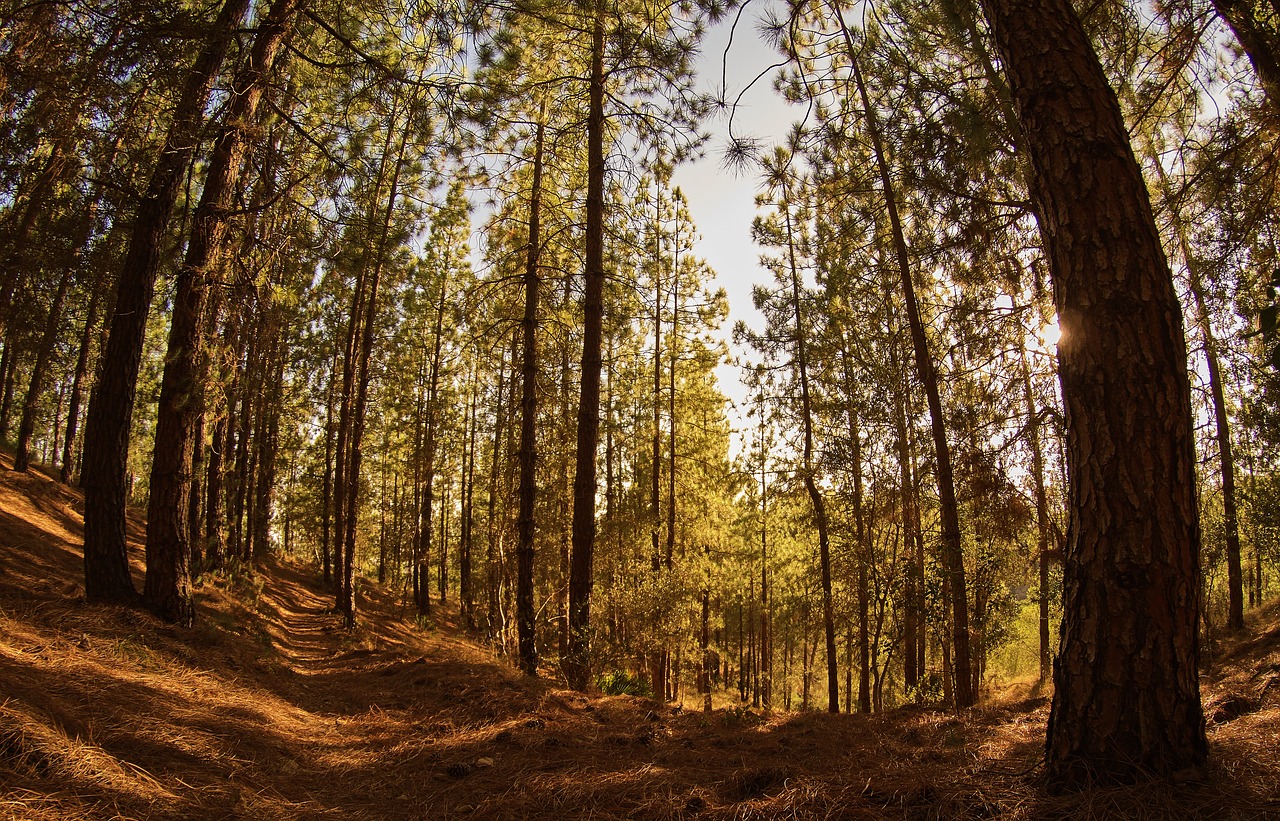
(269, 709)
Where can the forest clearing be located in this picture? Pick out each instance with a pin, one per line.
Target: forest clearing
(269, 709)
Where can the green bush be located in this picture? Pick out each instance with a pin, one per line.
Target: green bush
(622, 683)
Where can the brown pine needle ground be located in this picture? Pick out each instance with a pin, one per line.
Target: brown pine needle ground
(268, 709)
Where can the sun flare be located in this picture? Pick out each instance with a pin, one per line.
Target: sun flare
(1050, 334)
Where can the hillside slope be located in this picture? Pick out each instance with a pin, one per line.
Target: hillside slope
(267, 709)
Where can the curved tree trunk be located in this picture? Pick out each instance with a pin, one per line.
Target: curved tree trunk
(952, 548)
(1126, 684)
(1222, 421)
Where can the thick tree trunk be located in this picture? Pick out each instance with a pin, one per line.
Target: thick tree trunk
(168, 583)
(578, 661)
(1126, 685)
(106, 450)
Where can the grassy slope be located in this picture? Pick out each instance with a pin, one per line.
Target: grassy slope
(268, 709)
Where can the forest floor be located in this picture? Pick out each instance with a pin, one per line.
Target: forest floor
(268, 709)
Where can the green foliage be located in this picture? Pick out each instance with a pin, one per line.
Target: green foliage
(623, 683)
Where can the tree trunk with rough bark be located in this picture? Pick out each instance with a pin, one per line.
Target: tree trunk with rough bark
(1126, 682)
(577, 663)
(528, 455)
(168, 582)
(106, 448)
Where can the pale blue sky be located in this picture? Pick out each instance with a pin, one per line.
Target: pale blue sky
(721, 200)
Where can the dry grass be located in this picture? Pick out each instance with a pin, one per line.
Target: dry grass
(269, 710)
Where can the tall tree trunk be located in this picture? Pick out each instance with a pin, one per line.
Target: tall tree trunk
(106, 450)
(267, 443)
(862, 549)
(766, 628)
(1222, 421)
(952, 549)
(35, 386)
(1042, 515)
(168, 582)
(673, 344)
(578, 662)
(356, 374)
(77, 383)
(326, 482)
(807, 467)
(466, 589)
(528, 455)
(1126, 686)
(495, 619)
(427, 523)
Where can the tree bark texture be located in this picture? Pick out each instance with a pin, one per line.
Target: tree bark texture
(106, 450)
(1127, 699)
(528, 455)
(577, 664)
(167, 590)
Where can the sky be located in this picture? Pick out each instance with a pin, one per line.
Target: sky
(721, 200)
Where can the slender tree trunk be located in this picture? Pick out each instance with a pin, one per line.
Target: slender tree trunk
(578, 661)
(326, 482)
(1222, 421)
(214, 509)
(766, 628)
(78, 380)
(106, 454)
(495, 618)
(466, 590)
(862, 550)
(1042, 516)
(808, 471)
(44, 353)
(673, 345)
(952, 549)
(528, 455)
(427, 523)
(1126, 686)
(268, 443)
(356, 374)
